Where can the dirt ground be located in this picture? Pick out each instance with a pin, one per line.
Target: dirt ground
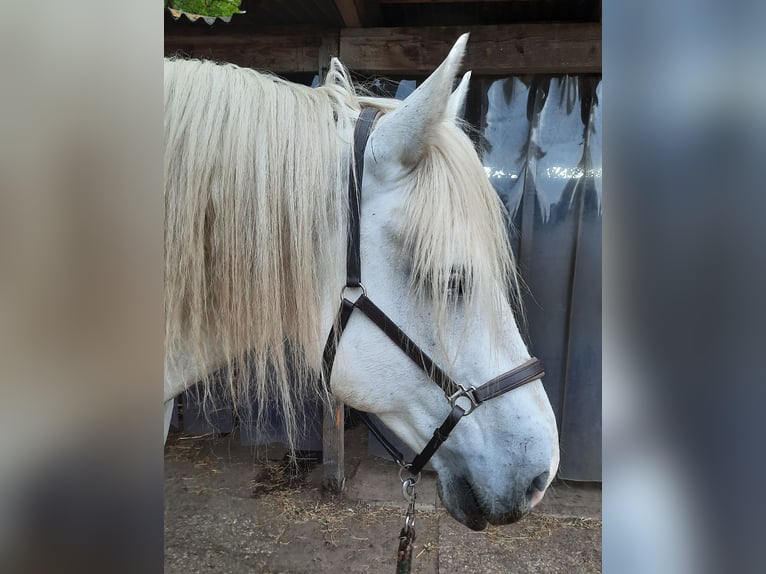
(229, 510)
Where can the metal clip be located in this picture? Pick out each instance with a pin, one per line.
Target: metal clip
(408, 490)
(467, 393)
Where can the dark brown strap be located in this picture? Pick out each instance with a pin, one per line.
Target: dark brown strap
(361, 135)
(331, 346)
(387, 444)
(521, 375)
(440, 435)
(377, 316)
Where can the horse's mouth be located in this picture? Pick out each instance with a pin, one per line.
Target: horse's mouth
(462, 503)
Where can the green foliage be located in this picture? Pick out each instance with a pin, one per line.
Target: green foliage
(207, 7)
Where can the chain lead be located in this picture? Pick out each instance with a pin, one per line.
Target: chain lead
(408, 490)
(407, 535)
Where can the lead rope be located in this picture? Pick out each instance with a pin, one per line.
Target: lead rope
(407, 534)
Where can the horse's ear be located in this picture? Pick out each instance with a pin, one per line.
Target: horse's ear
(457, 99)
(404, 132)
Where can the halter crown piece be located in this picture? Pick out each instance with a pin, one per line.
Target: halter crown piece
(521, 375)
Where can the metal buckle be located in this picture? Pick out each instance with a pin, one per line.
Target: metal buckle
(467, 393)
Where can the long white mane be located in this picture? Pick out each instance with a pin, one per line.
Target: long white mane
(256, 171)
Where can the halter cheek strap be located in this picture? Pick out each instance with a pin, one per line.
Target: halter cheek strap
(362, 132)
(521, 375)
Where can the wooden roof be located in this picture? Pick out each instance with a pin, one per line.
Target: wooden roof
(400, 36)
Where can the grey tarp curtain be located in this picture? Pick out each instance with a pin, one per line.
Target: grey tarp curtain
(543, 153)
(540, 141)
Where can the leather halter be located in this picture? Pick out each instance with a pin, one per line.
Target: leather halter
(521, 375)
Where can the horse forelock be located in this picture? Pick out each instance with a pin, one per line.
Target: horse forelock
(456, 224)
(457, 230)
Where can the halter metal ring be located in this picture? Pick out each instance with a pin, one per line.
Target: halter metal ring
(412, 479)
(346, 288)
(467, 393)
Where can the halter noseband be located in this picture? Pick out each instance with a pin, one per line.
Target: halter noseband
(521, 375)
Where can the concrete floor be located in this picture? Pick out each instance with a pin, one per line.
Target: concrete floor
(228, 510)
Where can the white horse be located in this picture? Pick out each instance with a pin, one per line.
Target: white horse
(256, 174)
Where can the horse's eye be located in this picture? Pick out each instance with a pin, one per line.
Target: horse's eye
(456, 284)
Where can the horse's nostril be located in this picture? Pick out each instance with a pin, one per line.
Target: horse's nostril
(538, 484)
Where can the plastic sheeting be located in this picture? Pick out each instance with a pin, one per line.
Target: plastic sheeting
(543, 155)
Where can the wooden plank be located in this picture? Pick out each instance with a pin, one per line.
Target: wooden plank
(333, 421)
(492, 50)
(357, 13)
(333, 449)
(450, 1)
(349, 11)
(279, 51)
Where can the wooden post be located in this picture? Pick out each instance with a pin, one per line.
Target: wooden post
(333, 423)
(328, 47)
(333, 452)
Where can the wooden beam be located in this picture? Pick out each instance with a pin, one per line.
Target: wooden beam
(349, 12)
(279, 51)
(358, 13)
(492, 50)
(449, 1)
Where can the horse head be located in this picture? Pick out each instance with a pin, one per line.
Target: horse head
(435, 256)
